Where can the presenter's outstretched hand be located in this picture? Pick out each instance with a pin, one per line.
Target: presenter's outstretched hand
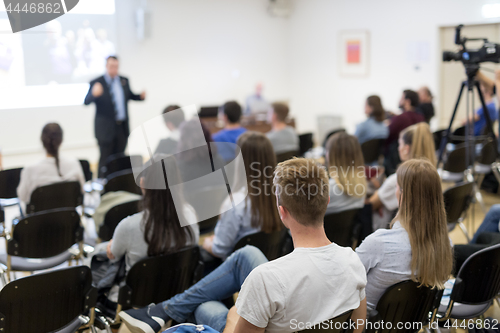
(97, 89)
(143, 95)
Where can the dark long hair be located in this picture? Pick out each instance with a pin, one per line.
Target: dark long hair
(161, 220)
(378, 112)
(52, 136)
(260, 161)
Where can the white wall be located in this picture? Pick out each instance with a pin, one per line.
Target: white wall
(316, 87)
(194, 51)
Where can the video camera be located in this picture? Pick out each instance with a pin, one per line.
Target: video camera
(489, 52)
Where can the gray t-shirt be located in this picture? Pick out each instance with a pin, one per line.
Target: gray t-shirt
(340, 201)
(284, 140)
(310, 285)
(386, 255)
(128, 239)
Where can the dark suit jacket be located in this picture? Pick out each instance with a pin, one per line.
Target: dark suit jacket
(105, 112)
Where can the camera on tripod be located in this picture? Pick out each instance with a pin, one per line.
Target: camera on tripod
(489, 52)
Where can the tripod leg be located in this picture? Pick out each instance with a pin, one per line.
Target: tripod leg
(448, 132)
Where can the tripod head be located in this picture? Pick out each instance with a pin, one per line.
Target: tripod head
(471, 71)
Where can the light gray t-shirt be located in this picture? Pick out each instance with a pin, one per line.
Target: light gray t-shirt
(233, 225)
(284, 140)
(340, 201)
(387, 192)
(128, 238)
(386, 255)
(310, 285)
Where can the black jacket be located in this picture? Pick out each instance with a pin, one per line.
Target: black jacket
(105, 111)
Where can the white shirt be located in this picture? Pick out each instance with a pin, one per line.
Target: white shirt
(45, 173)
(386, 255)
(310, 285)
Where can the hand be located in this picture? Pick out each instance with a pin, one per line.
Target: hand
(207, 243)
(97, 90)
(108, 251)
(143, 95)
(497, 75)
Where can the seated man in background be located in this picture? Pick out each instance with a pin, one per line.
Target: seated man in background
(282, 137)
(425, 108)
(409, 116)
(318, 281)
(168, 145)
(479, 118)
(232, 130)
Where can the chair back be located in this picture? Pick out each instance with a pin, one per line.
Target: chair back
(489, 152)
(305, 143)
(114, 216)
(334, 325)
(407, 303)
(457, 200)
(281, 157)
(335, 131)
(438, 138)
(372, 150)
(455, 160)
(45, 234)
(122, 181)
(46, 302)
(341, 228)
(86, 170)
(155, 279)
(9, 180)
(478, 280)
(271, 244)
(57, 195)
(120, 162)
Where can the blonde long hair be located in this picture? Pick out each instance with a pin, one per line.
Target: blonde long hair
(419, 138)
(422, 214)
(346, 164)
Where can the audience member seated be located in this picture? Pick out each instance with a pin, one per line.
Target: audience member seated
(346, 169)
(257, 210)
(414, 142)
(425, 108)
(173, 121)
(232, 130)
(373, 127)
(282, 137)
(196, 162)
(479, 118)
(318, 281)
(52, 169)
(408, 104)
(417, 246)
(154, 231)
(490, 223)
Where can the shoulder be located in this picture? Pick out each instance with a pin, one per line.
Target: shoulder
(97, 79)
(123, 78)
(131, 222)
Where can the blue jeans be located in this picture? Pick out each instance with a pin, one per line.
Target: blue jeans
(490, 223)
(203, 298)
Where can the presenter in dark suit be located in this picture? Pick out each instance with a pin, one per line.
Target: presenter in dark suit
(111, 94)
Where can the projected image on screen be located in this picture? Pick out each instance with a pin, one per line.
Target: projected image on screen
(73, 51)
(51, 64)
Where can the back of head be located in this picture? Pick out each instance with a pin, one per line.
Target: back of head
(378, 112)
(346, 164)
(176, 118)
(260, 160)
(161, 220)
(281, 111)
(302, 188)
(412, 96)
(52, 136)
(422, 214)
(233, 111)
(421, 141)
(427, 93)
